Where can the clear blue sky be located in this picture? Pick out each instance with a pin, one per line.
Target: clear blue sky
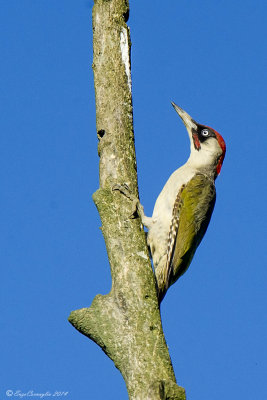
(210, 58)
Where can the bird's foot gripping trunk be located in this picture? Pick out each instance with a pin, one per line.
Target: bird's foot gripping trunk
(137, 207)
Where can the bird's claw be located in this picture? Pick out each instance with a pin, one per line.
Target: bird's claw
(124, 189)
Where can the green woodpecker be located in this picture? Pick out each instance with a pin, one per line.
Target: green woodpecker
(184, 207)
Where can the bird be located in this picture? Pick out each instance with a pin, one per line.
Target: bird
(183, 209)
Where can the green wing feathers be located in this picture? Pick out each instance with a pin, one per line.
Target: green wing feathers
(191, 216)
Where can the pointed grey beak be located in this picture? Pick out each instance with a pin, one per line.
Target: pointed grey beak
(187, 120)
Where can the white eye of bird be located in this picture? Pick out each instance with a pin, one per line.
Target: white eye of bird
(205, 132)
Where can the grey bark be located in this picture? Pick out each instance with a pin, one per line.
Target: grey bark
(125, 323)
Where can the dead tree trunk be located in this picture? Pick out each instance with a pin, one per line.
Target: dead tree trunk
(125, 323)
